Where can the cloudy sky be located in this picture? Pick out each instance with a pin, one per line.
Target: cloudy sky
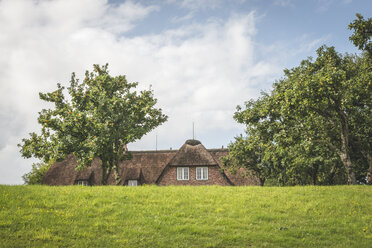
(202, 58)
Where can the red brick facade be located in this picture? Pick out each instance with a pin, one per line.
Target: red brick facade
(215, 177)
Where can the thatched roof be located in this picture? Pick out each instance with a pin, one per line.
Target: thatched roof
(147, 166)
(126, 173)
(64, 172)
(192, 153)
(84, 174)
(150, 163)
(61, 173)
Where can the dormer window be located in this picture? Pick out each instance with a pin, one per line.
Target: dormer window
(82, 182)
(132, 183)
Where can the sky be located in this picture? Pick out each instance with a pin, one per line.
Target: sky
(201, 57)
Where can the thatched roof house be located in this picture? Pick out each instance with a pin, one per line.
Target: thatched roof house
(192, 164)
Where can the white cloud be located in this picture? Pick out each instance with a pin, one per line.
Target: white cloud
(183, 18)
(198, 4)
(199, 72)
(120, 19)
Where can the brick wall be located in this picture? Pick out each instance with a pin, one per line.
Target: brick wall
(215, 177)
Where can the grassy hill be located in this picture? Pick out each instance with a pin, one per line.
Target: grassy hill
(207, 216)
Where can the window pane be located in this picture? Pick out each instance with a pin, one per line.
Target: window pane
(198, 174)
(132, 182)
(186, 174)
(179, 173)
(205, 173)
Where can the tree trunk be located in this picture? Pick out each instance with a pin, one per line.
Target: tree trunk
(315, 174)
(332, 174)
(345, 158)
(344, 152)
(116, 173)
(103, 178)
(122, 151)
(369, 173)
(106, 171)
(262, 181)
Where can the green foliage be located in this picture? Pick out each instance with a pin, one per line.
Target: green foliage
(35, 176)
(252, 151)
(205, 216)
(362, 33)
(99, 118)
(314, 126)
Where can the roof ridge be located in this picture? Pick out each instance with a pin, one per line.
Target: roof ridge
(176, 150)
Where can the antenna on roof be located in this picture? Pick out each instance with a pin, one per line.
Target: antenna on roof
(193, 133)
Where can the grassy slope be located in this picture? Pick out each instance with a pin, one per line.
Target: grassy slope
(150, 216)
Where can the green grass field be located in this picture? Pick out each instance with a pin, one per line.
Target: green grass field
(206, 216)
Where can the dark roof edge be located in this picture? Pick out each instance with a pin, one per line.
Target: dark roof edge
(161, 174)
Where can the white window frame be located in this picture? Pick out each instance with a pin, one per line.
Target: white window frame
(203, 173)
(132, 183)
(82, 183)
(183, 173)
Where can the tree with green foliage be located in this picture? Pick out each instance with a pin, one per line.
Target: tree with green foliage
(362, 33)
(35, 176)
(362, 39)
(325, 96)
(98, 118)
(315, 119)
(250, 151)
(276, 150)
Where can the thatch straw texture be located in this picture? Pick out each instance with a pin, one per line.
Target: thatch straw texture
(148, 167)
(192, 153)
(144, 167)
(64, 173)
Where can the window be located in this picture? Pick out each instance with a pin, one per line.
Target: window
(201, 173)
(183, 173)
(132, 182)
(82, 182)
